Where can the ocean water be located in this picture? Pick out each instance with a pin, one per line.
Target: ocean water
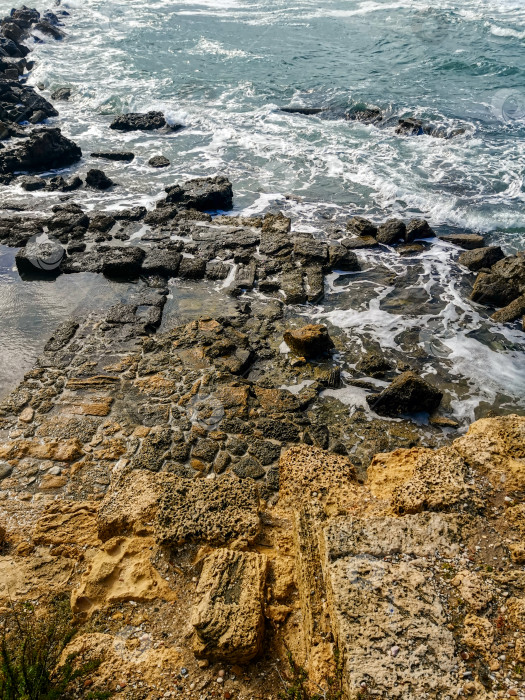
(224, 67)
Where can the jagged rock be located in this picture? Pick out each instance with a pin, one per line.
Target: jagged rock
(411, 127)
(229, 621)
(162, 262)
(98, 180)
(135, 214)
(45, 149)
(32, 184)
(276, 223)
(139, 122)
(511, 312)
(504, 283)
(359, 226)
(468, 241)
(159, 162)
(367, 115)
(61, 94)
(418, 228)
(360, 242)
(340, 258)
(219, 512)
(125, 156)
(391, 231)
(203, 194)
(408, 393)
(374, 364)
(66, 221)
(309, 341)
(481, 258)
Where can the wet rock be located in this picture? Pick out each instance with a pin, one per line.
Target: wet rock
(125, 156)
(408, 393)
(134, 214)
(139, 122)
(62, 336)
(305, 111)
(359, 242)
(203, 194)
(359, 226)
(218, 512)
(162, 262)
(410, 127)
(481, 258)
(468, 241)
(228, 619)
(49, 29)
(160, 216)
(43, 258)
(391, 232)
(511, 312)
(62, 94)
(32, 184)
(366, 115)
(340, 258)
(308, 250)
(309, 341)
(98, 180)
(192, 268)
(159, 162)
(418, 228)
(101, 222)
(504, 283)
(45, 149)
(374, 365)
(276, 223)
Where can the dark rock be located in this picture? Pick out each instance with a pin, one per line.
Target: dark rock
(98, 180)
(276, 223)
(157, 217)
(408, 393)
(42, 258)
(125, 156)
(71, 185)
(139, 122)
(305, 111)
(62, 94)
(203, 194)
(217, 270)
(359, 242)
(68, 220)
(468, 241)
(248, 467)
(274, 243)
(159, 162)
(481, 258)
(45, 149)
(192, 268)
(101, 222)
(308, 250)
(418, 228)
(340, 258)
(374, 365)
(293, 287)
(135, 214)
(410, 127)
(367, 115)
(309, 341)
(391, 231)
(359, 226)
(49, 29)
(161, 262)
(31, 184)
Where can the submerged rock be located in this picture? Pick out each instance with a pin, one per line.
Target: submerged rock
(45, 149)
(150, 121)
(408, 393)
(309, 341)
(62, 94)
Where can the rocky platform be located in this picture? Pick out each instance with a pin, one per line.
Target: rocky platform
(204, 523)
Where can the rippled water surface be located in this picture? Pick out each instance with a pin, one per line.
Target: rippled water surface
(223, 67)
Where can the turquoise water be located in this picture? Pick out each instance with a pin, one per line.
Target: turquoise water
(224, 67)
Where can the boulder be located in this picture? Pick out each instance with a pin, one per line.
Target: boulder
(340, 258)
(360, 242)
(228, 620)
(32, 183)
(504, 283)
(359, 226)
(309, 341)
(511, 312)
(42, 258)
(192, 268)
(125, 156)
(98, 180)
(481, 258)
(418, 228)
(161, 262)
(367, 115)
(159, 162)
(134, 214)
(45, 149)
(203, 194)
(120, 261)
(62, 94)
(408, 393)
(139, 122)
(391, 231)
(411, 127)
(468, 241)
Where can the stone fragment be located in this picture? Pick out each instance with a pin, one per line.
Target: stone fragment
(229, 621)
(481, 258)
(359, 226)
(391, 232)
(408, 393)
(309, 341)
(468, 241)
(511, 312)
(418, 228)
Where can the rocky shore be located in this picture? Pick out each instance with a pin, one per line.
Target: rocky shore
(199, 494)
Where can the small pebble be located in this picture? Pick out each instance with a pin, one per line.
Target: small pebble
(221, 673)
(220, 680)
(394, 651)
